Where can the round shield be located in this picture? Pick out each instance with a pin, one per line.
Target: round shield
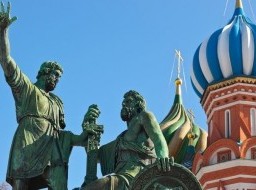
(178, 178)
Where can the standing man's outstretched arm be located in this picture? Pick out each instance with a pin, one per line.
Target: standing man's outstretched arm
(6, 61)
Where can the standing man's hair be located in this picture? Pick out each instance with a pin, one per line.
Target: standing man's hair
(47, 67)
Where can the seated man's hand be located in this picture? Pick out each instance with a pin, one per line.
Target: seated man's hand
(93, 129)
(164, 164)
(91, 115)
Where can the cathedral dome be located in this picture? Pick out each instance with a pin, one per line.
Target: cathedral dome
(229, 52)
(184, 138)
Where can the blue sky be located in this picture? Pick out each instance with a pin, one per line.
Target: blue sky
(107, 48)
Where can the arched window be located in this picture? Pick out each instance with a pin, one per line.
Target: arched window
(227, 124)
(253, 121)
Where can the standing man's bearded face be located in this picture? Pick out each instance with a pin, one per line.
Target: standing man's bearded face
(52, 79)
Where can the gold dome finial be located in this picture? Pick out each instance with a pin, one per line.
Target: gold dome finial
(191, 136)
(239, 4)
(178, 83)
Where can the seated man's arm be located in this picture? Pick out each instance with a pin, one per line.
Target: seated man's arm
(154, 132)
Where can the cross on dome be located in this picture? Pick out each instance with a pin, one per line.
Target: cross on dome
(180, 60)
(191, 114)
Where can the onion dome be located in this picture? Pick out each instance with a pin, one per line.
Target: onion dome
(183, 136)
(229, 52)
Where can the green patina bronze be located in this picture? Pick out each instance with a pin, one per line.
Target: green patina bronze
(142, 144)
(93, 142)
(40, 148)
(177, 178)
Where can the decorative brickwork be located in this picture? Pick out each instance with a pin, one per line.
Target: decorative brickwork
(224, 156)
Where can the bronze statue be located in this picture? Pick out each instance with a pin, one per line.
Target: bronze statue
(140, 145)
(40, 148)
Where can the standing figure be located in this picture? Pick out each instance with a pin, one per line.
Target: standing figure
(40, 148)
(140, 145)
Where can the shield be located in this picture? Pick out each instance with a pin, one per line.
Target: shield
(178, 178)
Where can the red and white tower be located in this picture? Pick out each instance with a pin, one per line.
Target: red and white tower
(224, 77)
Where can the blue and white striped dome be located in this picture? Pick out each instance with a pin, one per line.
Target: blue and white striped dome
(229, 52)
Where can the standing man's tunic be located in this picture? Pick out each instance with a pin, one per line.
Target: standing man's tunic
(39, 116)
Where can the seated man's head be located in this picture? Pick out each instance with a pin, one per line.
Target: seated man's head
(50, 72)
(132, 104)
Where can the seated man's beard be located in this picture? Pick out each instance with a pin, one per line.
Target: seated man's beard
(127, 113)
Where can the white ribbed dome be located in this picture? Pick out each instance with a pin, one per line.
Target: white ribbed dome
(229, 52)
